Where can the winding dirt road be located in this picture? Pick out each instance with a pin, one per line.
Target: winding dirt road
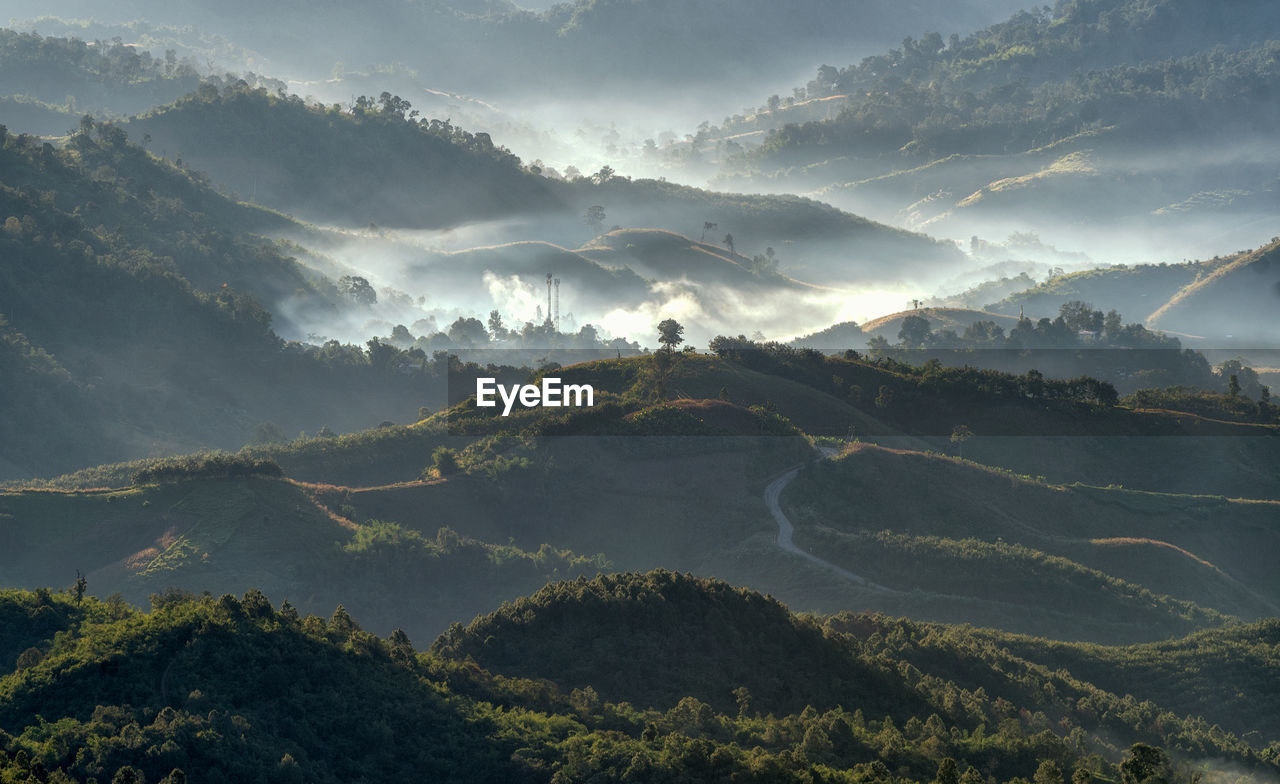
(772, 499)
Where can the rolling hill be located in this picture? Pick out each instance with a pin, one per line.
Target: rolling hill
(1212, 304)
(136, 297)
(379, 163)
(234, 687)
(56, 80)
(955, 319)
(647, 481)
(1137, 290)
(862, 508)
(1045, 121)
(212, 533)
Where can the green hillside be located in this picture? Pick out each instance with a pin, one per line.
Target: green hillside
(234, 689)
(217, 533)
(70, 77)
(378, 162)
(982, 534)
(1047, 117)
(650, 482)
(154, 336)
(722, 645)
(1211, 304)
(662, 637)
(1136, 290)
(1226, 675)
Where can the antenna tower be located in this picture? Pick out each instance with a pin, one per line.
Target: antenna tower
(549, 298)
(557, 316)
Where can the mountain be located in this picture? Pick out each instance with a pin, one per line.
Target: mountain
(136, 299)
(55, 80)
(1047, 121)
(1139, 289)
(381, 164)
(374, 164)
(500, 50)
(209, 527)
(552, 483)
(1212, 304)
(233, 687)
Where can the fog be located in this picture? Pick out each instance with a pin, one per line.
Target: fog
(567, 110)
(433, 278)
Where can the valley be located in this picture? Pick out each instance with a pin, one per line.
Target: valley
(437, 390)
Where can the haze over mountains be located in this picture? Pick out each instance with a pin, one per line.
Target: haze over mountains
(931, 436)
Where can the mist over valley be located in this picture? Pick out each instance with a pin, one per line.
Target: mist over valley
(631, 390)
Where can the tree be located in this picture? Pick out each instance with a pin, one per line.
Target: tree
(1145, 765)
(358, 289)
(29, 658)
(914, 332)
(670, 334)
(444, 461)
(127, 775)
(81, 585)
(960, 434)
(401, 336)
(1048, 773)
(1233, 386)
(947, 773)
(1080, 316)
(497, 330)
(468, 332)
(594, 217)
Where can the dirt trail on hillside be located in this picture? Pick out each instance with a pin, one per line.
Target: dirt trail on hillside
(772, 498)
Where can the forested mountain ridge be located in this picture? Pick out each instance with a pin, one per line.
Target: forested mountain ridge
(394, 168)
(136, 297)
(501, 49)
(131, 695)
(1050, 113)
(1211, 304)
(378, 162)
(66, 77)
(1126, 566)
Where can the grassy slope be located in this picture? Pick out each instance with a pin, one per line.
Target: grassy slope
(956, 319)
(1212, 304)
(688, 496)
(1132, 291)
(223, 536)
(1227, 675)
(986, 534)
